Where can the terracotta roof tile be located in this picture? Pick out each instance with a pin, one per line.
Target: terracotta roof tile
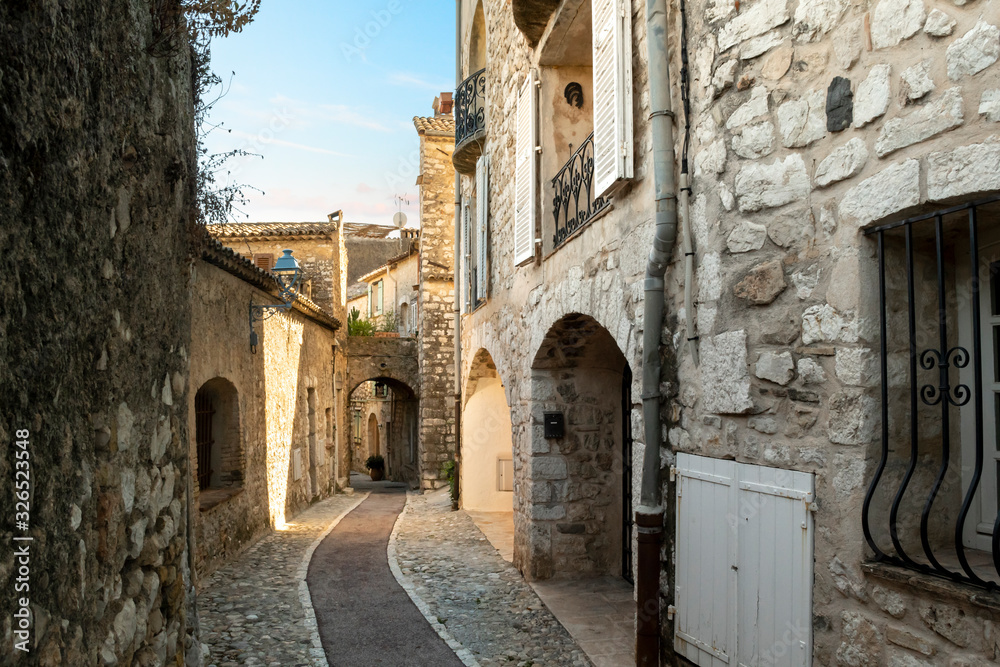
(435, 124)
(262, 230)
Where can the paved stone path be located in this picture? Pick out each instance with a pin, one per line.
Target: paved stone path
(480, 598)
(365, 618)
(251, 610)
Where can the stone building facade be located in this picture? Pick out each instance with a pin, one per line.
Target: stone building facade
(263, 421)
(97, 178)
(812, 124)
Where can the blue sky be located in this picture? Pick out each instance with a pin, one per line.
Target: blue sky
(326, 91)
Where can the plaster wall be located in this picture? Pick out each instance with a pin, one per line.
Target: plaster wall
(486, 439)
(294, 355)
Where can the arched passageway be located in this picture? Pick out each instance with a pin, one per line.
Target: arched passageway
(383, 415)
(574, 512)
(487, 445)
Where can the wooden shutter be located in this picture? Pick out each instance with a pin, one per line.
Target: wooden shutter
(371, 307)
(466, 255)
(525, 172)
(264, 261)
(612, 43)
(482, 224)
(706, 552)
(744, 564)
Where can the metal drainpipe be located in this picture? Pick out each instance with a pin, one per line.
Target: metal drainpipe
(457, 272)
(649, 516)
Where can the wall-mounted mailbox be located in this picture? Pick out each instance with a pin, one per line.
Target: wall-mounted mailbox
(555, 425)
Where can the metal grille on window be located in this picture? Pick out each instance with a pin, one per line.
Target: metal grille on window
(932, 503)
(204, 412)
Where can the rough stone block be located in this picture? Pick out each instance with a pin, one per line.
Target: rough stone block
(724, 369)
(989, 105)
(953, 624)
(814, 18)
(855, 366)
(900, 659)
(893, 189)
(709, 277)
(810, 372)
(974, 51)
(965, 170)
(916, 81)
(754, 141)
(839, 105)
(746, 237)
(872, 98)
(896, 20)
(862, 642)
(852, 418)
(930, 120)
(762, 284)
(906, 639)
(758, 19)
(751, 110)
(548, 467)
(802, 122)
(889, 601)
(939, 24)
(843, 162)
(758, 46)
(760, 186)
(775, 367)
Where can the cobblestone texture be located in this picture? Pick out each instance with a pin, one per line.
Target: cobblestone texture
(250, 610)
(480, 598)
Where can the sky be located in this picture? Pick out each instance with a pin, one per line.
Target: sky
(326, 92)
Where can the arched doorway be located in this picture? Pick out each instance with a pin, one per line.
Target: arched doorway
(384, 422)
(487, 444)
(218, 459)
(579, 465)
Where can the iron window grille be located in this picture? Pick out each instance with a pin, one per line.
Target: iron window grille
(204, 414)
(932, 504)
(470, 107)
(573, 201)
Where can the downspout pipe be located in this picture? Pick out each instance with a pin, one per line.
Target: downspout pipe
(457, 273)
(649, 516)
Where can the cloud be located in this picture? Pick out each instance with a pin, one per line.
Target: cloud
(415, 81)
(364, 189)
(253, 141)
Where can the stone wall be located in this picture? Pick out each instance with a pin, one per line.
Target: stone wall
(436, 307)
(810, 121)
(96, 179)
(273, 387)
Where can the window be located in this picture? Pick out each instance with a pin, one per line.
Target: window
(404, 318)
(932, 502)
(744, 563)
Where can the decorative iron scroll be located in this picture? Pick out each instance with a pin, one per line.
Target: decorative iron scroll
(931, 395)
(470, 107)
(573, 202)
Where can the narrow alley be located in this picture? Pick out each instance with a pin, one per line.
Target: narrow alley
(379, 578)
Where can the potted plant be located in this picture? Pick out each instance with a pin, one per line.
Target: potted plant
(388, 327)
(376, 467)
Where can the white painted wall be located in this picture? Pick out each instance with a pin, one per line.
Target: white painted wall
(486, 437)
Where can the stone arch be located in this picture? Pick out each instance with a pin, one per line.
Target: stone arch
(487, 440)
(575, 520)
(477, 39)
(218, 455)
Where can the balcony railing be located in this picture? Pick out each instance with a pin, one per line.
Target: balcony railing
(573, 202)
(470, 107)
(932, 502)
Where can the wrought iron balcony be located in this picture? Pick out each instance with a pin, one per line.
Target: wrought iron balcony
(573, 202)
(470, 122)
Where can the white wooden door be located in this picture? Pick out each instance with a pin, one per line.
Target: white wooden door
(706, 557)
(744, 569)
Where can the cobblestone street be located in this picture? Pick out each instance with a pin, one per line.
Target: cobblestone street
(252, 610)
(481, 599)
(256, 611)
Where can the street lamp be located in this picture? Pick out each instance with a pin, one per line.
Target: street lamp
(286, 273)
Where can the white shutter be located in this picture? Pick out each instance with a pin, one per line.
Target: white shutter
(744, 564)
(466, 255)
(706, 551)
(612, 40)
(525, 175)
(482, 224)
(775, 560)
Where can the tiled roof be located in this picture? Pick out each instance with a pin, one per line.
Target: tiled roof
(435, 124)
(214, 252)
(367, 230)
(271, 230)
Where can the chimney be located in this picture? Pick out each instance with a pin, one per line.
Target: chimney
(444, 104)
